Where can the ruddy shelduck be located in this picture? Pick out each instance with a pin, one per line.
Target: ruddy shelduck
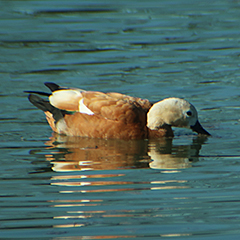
(76, 112)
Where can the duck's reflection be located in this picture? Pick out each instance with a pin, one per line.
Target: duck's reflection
(91, 191)
(81, 154)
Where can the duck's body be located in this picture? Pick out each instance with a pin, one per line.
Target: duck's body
(75, 112)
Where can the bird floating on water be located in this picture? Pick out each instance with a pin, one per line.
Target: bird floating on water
(76, 112)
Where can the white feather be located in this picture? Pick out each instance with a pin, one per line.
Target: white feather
(84, 109)
(62, 96)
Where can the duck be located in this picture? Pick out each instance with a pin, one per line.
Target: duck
(94, 114)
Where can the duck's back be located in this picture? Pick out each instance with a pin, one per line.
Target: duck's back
(102, 115)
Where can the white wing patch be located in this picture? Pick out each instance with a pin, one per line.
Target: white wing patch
(61, 97)
(84, 109)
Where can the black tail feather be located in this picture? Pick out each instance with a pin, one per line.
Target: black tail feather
(38, 92)
(45, 106)
(40, 103)
(52, 86)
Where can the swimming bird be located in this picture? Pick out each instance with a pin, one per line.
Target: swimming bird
(76, 112)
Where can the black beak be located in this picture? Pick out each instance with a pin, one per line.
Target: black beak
(199, 129)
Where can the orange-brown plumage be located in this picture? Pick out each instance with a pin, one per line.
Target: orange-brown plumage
(76, 112)
(115, 116)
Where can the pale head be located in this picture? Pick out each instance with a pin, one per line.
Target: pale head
(175, 112)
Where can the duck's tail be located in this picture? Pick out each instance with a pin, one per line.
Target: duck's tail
(53, 114)
(45, 106)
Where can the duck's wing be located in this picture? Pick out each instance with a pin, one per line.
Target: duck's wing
(114, 106)
(106, 116)
(76, 112)
(66, 99)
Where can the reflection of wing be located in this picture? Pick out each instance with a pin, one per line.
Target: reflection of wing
(79, 154)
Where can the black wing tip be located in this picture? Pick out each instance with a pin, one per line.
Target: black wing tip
(38, 92)
(52, 86)
(39, 102)
(33, 98)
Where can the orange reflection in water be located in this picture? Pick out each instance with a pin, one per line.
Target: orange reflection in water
(76, 156)
(62, 177)
(127, 236)
(83, 154)
(100, 237)
(71, 154)
(80, 155)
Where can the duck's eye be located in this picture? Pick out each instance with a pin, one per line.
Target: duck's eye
(189, 113)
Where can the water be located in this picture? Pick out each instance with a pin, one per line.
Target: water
(55, 187)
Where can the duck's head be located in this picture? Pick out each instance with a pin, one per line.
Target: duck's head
(174, 112)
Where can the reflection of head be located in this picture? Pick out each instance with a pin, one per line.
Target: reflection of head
(174, 157)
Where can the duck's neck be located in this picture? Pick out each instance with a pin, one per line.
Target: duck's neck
(164, 131)
(154, 116)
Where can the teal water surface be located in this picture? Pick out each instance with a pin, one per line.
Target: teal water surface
(56, 187)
